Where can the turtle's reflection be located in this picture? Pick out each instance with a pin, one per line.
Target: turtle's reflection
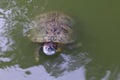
(66, 63)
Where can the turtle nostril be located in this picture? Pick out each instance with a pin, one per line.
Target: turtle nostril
(51, 49)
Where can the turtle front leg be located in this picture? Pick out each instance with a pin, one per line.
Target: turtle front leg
(37, 52)
(59, 47)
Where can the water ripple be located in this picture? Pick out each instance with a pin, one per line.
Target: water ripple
(5, 40)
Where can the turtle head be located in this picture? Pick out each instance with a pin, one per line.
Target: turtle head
(49, 48)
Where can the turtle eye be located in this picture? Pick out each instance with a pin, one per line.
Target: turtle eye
(46, 47)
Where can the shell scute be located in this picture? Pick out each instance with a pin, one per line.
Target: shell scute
(52, 26)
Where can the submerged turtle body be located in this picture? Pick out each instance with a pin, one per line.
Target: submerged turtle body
(52, 27)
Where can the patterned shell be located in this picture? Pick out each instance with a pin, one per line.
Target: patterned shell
(52, 27)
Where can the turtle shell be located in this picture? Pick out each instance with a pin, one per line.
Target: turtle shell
(52, 27)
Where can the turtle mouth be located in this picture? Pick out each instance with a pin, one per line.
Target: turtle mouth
(49, 48)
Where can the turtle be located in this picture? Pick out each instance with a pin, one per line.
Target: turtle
(51, 30)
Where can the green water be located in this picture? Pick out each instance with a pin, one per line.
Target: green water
(97, 27)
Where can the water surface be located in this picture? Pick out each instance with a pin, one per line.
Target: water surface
(97, 28)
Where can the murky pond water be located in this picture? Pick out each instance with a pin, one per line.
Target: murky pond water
(97, 27)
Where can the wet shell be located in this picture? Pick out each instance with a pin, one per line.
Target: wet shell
(52, 27)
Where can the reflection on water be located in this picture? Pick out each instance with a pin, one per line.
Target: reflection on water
(66, 65)
(38, 73)
(5, 40)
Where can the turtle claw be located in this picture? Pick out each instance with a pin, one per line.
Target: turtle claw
(59, 49)
(37, 59)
